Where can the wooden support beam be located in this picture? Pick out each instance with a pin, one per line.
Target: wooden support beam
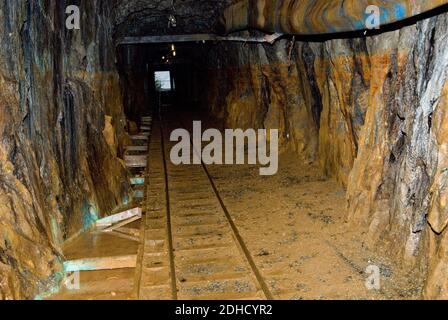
(121, 224)
(130, 231)
(123, 235)
(190, 38)
(138, 181)
(136, 161)
(136, 148)
(103, 263)
(116, 218)
(140, 137)
(121, 231)
(139, 194)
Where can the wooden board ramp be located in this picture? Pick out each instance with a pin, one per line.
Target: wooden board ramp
(117, 226)
(113, 225)
(101, 263)
(136, 161)
(130, 231)
(124, 235)
(121, 224)
(136, 148)
(146, 124)
(139, 194)
(119, 217)
(140, 137)
(137, 181)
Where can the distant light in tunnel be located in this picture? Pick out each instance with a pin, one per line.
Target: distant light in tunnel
(163, 80)
(173, 48)
(172, 21)
(174, 53)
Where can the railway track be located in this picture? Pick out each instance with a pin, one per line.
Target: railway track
(192, 249)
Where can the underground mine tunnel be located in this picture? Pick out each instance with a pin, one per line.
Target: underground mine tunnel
(117, 121)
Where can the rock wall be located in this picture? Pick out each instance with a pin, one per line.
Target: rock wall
(396, 188)
(61, 124)
(295, 87)
(373, 112)
(136, 81)
(262, 88)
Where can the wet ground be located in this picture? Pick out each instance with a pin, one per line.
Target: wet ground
(103, 284)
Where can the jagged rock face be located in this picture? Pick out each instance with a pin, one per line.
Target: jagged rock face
(263, 88)
(373, 112)
(57, 171)
(397, 185)
(139, 17)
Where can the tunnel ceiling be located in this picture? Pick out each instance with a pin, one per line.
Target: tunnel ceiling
(150, 17)
(301, 17)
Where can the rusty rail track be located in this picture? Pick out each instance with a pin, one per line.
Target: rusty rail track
(192, 247)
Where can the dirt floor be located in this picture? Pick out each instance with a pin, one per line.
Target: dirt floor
(294, 226)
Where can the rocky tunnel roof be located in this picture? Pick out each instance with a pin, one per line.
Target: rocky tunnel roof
(151, 17)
